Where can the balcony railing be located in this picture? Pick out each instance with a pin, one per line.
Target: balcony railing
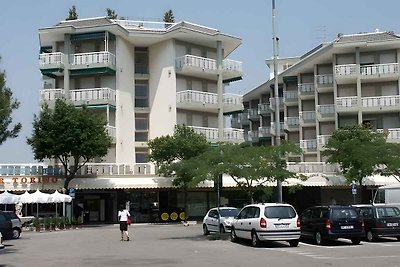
(272, 103)
(379, 69)
(112, 131)
(306, 89)
(264, 108)
(393, 134)
(230, 134)
(51, 94)
(207, 64)
(232, 65)
(273, 128)
(253, 136)
(291, 122)
(345, 70)
(312, 167)
(54, 59)
(264, 131)
(322, 140)
(290, 96)
(253, 114)
(93, 94)
(93, 58)
(308, 145)
(325, 111)
(381, 101)
(244, 118)
(324, 79)
(307, 117)
(347, 102)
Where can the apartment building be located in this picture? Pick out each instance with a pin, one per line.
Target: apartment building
(352, 80)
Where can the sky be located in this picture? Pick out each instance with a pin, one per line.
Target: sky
(301, 25)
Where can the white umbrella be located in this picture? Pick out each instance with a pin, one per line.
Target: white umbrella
(25, 198)
(39, 197)
(57, 197)
(8, 198)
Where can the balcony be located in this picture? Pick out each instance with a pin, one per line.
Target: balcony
(264, 109)
(243, 118)
(112, 131)
(381, 103)
(346, 73)
(313, 167)
(253, 136)
(235, 123)
(326, 112)
(347, 104)
(206, 68)
(272, 103)
(281, 128)
(291, 124)
(253, 115)
(309, 145)
(307, 118)
(290, 98)
(205, 101)
(264, 132)
(324, 83)
(93, 96)
(306, 91)
(322, 140)
(380, 72)
(230, 134)
(92, 63)
(51, 64)
(392, 134)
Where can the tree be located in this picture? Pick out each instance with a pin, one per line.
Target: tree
(251, 167)
(169, 17)
(170, 153)
(111, 13)
(7, 105)
(357, 149)
(72, 14)
(390, 161)
(69, 134)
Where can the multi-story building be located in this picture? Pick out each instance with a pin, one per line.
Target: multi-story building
(353, 80)
(143, 78)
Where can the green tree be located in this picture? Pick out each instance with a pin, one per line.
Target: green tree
(111, 13)
(72, 14)
(357, 149)
(251, 167)
(69, 134)
(169, 17)
(7, 105)
(390, 161)
(170, 153)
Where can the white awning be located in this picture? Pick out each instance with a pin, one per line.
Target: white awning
(121, 182)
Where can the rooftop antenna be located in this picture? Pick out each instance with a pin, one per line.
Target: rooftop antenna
(322, 34)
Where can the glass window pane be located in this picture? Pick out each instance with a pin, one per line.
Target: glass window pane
(141, 124)
(141, 137)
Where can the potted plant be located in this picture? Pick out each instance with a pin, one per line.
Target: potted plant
(47, 223)
(67, 222)
(62, 222)
(73, 222)
(54, 223)
(36, 224)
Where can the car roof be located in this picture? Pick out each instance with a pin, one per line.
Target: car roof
(269, 204)
(223, 208)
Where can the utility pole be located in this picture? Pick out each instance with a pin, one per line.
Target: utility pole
(276, 95)
(220, 95)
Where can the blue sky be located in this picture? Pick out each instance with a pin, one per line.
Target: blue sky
(301, 25)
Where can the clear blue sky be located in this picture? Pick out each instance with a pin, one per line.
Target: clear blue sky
(301, 25)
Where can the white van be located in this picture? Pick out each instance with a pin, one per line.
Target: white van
(388, 194)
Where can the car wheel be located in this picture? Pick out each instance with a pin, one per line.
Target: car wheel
(255, 242)
(16, 233)
(398, 238)
(355, 241)
(221, 229)
(233, 235)
(294, 243)
(205, 230)
(318, 239)
(370, 236)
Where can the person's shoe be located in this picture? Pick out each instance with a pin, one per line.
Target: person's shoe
(127, 239)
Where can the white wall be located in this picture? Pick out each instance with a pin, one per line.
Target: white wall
(162, 89)
(108, 81)
(125, 121)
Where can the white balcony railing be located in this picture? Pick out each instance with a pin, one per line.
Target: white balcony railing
(233, 99)
(308, 145)
(104, 57)
(264, 131)
(191, 96)
(344, 70)
(290, 96)
(273, 128)
(379, 69)
(381, 101)
(291, 122)
(230, 134)
(56, 58)
(312, 167)
(51, 94)
(272, 103)
(306, 88)
(326, 109)
(141, 25)
(307, 116)
(253, 136)
(392, 134)
(347, 102)
(322, 140)
(324, 79)
(253, 113)
(92, 94)
(112, 131)
(207, 63)
(264, 108)
(232, 65)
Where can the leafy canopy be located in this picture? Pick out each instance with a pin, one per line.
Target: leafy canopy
(390, 161)
(7, 105)
(69, 133)
(357, 149)
(72, 14)
(169, 16)
(111, 13)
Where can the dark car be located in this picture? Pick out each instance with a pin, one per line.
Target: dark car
(380, 221)
(6, 225)
(323, 223)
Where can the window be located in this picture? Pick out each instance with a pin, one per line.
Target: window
(390, 212)
(141, 123)
(141, 137)
(141, 94)
(280, 212)
(141, 60)
(344, 214)
(366, 212)
(141, 156)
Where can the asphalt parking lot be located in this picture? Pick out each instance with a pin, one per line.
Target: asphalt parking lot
(177, 245)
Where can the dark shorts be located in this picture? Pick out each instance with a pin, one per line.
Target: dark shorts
(123, 226)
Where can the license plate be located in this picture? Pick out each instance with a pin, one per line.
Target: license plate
(281, 225)
(347, 227)
(392, 224)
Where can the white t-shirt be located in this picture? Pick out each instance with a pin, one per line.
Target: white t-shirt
(123, 215)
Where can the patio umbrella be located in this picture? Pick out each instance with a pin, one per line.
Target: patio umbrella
(57, 197)
(25, 198)
(39, 197)
(8, 198)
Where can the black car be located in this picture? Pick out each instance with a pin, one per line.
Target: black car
(323, 223)
(6, 228)
(380, 221)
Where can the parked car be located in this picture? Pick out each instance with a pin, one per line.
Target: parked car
(225, 215)
(380, 221)
(323, 223)
(267, 222)
(16, 224)
(5, 225)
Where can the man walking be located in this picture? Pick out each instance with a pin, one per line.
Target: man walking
(123, 217)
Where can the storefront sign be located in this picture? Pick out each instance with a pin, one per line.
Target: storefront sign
(28, 180)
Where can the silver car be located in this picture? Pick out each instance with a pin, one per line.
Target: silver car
(215, 221)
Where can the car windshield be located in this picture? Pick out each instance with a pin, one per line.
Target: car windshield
(280, 212)
(345, 213)
(388, 212)
(228, 212)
